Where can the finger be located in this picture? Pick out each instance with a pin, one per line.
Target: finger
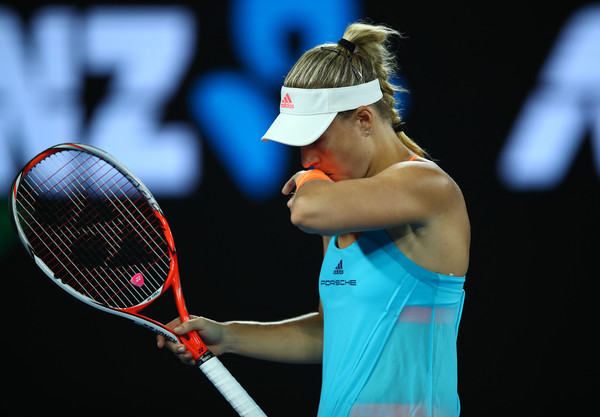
(289, 186)
(291, 183)
(173, 346)
(160, 341)
(187, 358)
(290, 202)
(184, 355)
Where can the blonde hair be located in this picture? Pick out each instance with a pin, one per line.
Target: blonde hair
(332, 65)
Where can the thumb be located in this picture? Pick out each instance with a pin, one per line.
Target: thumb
(187, 326)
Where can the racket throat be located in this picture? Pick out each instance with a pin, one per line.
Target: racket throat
(207, 356)
(195, 345)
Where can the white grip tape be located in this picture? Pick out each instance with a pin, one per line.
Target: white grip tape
(237, 396)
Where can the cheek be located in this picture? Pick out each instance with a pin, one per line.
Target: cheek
(347, 165)
(356, 161)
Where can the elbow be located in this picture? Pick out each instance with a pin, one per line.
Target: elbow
(298, 212)
(303, 216)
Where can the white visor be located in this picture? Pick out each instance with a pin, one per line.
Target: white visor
(304, 114)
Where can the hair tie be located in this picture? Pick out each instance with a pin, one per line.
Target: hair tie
(344, 43)
(399, 127)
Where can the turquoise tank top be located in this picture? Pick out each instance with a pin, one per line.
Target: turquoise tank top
(390, 333)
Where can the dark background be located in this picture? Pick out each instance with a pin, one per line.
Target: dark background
(527, 339)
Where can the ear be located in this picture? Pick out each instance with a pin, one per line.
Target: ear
(365, 118)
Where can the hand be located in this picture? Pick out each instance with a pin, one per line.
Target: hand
(211, 333)
(289, 186)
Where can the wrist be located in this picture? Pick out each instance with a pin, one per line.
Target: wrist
(313, 174)
(228, 337)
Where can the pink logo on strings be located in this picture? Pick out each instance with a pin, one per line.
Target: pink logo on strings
(137, 280)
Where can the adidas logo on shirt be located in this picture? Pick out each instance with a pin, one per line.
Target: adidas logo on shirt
(339, 269)
(287, 102)
(338, 282)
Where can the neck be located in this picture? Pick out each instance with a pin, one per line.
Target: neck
(388, 150)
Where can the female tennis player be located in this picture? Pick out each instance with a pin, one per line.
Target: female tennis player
(396, 238)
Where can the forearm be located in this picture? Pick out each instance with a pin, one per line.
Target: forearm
(297, 340)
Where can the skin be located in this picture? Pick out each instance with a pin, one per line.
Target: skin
(373, 187)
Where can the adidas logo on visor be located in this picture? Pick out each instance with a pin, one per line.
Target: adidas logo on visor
(287, 102)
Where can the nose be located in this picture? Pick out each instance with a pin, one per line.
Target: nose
(309, 156)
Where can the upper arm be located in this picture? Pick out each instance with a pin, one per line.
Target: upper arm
(401, 194)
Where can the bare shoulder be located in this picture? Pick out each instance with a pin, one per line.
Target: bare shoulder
(440, 240)
(424, 178)
(419, 168)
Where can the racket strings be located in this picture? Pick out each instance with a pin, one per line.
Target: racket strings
(94, 229)
(126, 242)
(66, 237)
(93, 249)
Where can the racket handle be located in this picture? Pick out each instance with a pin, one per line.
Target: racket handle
(228, 386)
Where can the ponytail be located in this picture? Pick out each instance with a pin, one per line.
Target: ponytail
(369, 59)
(372, 48)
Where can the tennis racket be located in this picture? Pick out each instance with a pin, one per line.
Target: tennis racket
(98, 233)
